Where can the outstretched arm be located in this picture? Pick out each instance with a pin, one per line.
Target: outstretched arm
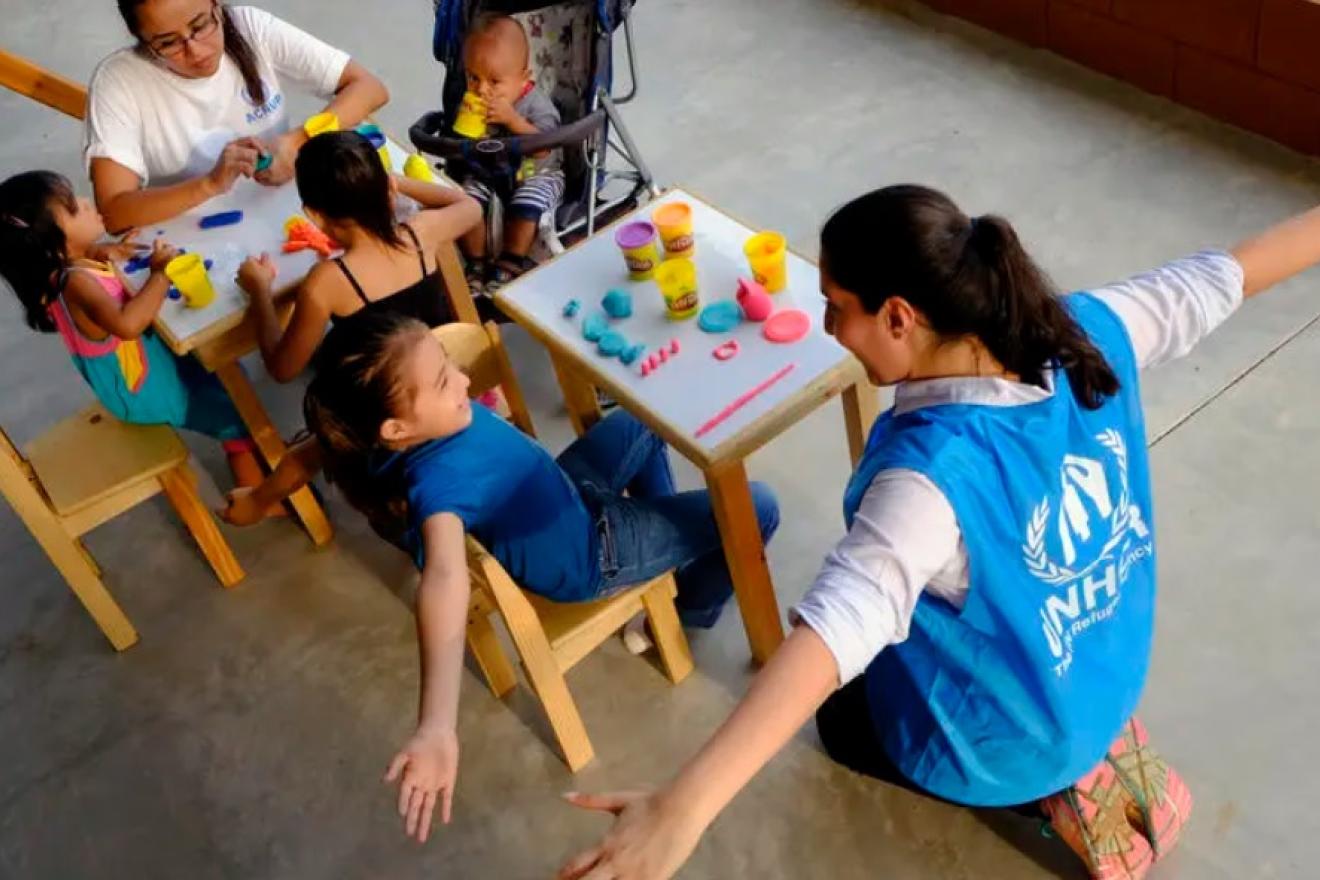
(1280, 252)
(654, 834)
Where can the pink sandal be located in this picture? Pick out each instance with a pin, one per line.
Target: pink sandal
(1127, 813)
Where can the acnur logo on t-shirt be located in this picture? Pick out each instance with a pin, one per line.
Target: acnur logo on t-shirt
(259, 113)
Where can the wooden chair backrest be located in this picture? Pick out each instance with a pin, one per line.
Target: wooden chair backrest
(22, 76)
(478, 351)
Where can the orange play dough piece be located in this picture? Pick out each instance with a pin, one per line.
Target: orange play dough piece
(787, 326)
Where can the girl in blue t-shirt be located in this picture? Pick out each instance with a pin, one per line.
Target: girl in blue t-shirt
(406, 446)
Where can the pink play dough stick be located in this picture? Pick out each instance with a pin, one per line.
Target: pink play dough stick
(723, 415)
(673, 347)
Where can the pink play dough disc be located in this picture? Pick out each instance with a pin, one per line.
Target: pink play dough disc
(790, 325)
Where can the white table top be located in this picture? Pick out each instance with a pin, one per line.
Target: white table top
(262, 230)
(693, 387)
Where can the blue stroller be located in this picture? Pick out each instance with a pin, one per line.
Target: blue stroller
(572, 61)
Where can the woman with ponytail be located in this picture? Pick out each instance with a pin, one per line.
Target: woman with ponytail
(177, 118)
(982, 633)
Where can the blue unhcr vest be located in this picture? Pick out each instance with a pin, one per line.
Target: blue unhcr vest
(1021, 692)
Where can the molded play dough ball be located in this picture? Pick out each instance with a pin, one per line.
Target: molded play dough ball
(594, 327)
(629, 356)
(611, 344)
(720, 317)
(756, 303)
(617, 304)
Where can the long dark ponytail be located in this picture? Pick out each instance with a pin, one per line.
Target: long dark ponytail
(359, 384)
(340, 176)
(968, 277)
(236, 46)
(33, 251)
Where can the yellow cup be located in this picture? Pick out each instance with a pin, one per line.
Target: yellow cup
(675, 224)
(188, 274)
(320, 124)
(471, 119)
(637, 241)
(678, 285)
(418, 168)
(767, 254)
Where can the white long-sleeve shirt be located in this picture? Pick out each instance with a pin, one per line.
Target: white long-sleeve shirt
(905, 538)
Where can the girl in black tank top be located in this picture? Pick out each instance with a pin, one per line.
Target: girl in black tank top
(424, 299)
(348, 194)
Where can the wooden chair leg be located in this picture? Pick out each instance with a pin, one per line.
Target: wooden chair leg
(491, 660)
(87, 555)
(670, 641)
(69, 556)
(547, 680)
(179, 486)
(91, 592)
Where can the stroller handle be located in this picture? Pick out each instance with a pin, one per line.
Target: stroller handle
(425, 136)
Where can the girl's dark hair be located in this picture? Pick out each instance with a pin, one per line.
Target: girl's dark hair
(33, 252)
(236, 46)
(340, 176)
(359, 384)
(967, 277)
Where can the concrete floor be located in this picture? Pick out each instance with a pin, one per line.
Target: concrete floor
(246, 734)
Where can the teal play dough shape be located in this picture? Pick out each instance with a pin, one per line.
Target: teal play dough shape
(594, 327)
(571, 309)
(720, 317)
(611, 344)
(617, 304)
(629, 356)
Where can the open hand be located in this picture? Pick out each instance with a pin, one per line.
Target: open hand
(257, 274)
(425, 769)
(650, 840)
(118, 251)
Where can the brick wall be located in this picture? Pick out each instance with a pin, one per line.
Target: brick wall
(1254, 63)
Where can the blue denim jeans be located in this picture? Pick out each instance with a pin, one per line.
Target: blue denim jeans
(654, 528)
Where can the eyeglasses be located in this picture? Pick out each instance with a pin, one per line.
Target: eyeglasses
(172, 45)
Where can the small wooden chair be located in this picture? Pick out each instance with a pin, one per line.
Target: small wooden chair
(550, 637)
(87, 470)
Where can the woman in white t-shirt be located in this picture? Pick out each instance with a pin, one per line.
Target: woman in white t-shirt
(178, 118)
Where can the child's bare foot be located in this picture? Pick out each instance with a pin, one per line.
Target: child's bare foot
(243, 509)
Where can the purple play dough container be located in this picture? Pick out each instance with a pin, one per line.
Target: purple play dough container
(637, 240)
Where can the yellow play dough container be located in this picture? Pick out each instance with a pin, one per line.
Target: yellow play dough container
(767, 255)
(471, 119)
(320, 124)
(677, 279)
(675, 224)
(188, 274)
(418, 169)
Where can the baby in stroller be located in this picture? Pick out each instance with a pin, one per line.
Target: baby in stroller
(496, 55)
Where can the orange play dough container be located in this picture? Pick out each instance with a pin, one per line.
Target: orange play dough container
(674, 221)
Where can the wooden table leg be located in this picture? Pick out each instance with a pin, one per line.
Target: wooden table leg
(456, 286)
(579, 396)
(861, 405)
(735, 513)
(271, 445)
